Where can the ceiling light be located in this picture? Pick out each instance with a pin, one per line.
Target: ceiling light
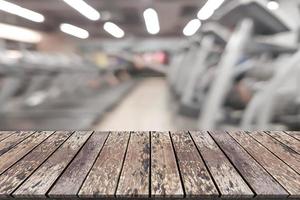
(209, 8)
(74, 30)
(272, 5)
(83, 8)
(20, 34)
(21, 12)
(151, 21)
(191, 27)
(113, 29)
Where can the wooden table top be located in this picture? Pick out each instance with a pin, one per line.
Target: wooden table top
(190, 164)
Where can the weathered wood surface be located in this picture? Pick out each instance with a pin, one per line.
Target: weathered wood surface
(228, 180)
(134, 180)
(103, 178)
(196, 178)
(295, 134)
(14, 176)
(71, 180)
(5, 134)
(165, 178)
(13, 155)
(198, 165)
(286, 139)
(10, 142)
(41, 180)
(285, 175)
(263, 184)
(286, 154)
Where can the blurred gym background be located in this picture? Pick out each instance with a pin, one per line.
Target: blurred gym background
(149, 64)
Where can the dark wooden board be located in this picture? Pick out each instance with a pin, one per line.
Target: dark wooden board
(228, 180)
(71, 180)
(103, 178)
(285, 175)
(286, 154)
(196, 178)
(5, 134)
(134, 180)
(16, 153)
(42, 179)
(264, 185)
(165, 178)
(15, 175)
(10, 142)
(286, 139)
(295, 134)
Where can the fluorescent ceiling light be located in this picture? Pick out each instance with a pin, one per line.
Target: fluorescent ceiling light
(113, 29)
(191, 27)
(21, 12)
(83, 8)
(20, 34)
(272, 5)
(209, 8)
(151, 21)
(74, 30)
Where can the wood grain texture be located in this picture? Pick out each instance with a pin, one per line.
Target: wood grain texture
(228, 180)
(13, 155)
(103, 178)
(15, 175)
(196, 178)
(286, 176)
(286, 139)
(41, 180)
(134, 180)
(165, 178)
(71, 180)
(264, 185)
(5, 134)
(295, 134)
(289, 156)
(10, 142)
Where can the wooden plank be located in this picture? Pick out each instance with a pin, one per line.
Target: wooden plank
(264, 185)
(5, 134)
(134, 180)
(13, 140)
(286, 176)
(196, 178)
(15, 154)
(103, 178)
(165, 178)
(71, 180)
(286, 139)
(295, 134)
(18, 173)
(286, 154)
(42, 179)
(228, 180)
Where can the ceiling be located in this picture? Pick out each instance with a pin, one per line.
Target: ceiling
(173, 15)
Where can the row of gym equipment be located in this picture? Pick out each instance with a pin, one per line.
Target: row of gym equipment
(234, 74)
(51, 91)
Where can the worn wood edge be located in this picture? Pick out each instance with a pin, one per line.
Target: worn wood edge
(68, 195)
(40, 196)
(75, 155)
(140, 195)
(8, 135)
(275, 154)
(10, 195)
(290, 196)
(262, 195)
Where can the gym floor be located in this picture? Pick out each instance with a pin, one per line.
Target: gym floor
(148, 105)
